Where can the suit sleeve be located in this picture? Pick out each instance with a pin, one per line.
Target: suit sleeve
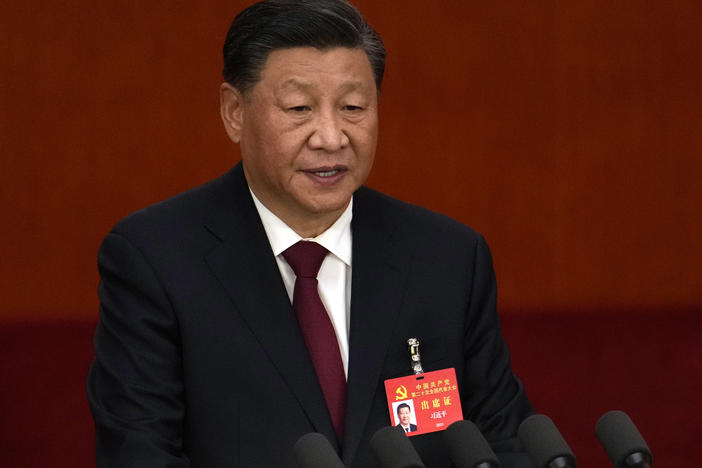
(135, 384)
(497, 402)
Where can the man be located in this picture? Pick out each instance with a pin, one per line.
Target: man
(208, 354)
(404, 413)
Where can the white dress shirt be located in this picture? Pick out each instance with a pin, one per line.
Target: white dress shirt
(334, 277)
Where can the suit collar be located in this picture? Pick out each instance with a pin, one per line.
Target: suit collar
(336, 239)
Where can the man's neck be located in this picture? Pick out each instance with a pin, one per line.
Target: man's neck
(311, 227)
(306, 225)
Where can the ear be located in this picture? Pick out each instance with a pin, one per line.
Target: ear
(231, 109)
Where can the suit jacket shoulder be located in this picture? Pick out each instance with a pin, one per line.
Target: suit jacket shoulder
(382, 205)
(169, 221)
(417, 225)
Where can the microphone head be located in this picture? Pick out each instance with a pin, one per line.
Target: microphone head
(393, 449)
(467, 447)
(543, 442)
(314, 450)
(620, 438)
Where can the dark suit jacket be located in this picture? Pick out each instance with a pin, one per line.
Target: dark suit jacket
(199, 360)
(412, 427)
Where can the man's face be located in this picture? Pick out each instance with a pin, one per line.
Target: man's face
(308, 131)
(404, 415)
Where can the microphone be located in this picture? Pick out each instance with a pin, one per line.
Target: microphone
(313, 450)
(622, 441)
(545, 444)
(393, 449)
(468, 448)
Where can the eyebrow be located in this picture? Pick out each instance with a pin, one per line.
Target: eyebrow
(306, 86)
(295, 83)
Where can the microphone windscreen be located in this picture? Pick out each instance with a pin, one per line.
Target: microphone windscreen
(313, 450)
(467, 447)
(394, 449)
(543, 442)
(620, 438)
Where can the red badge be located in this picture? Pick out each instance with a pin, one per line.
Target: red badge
(424, 403)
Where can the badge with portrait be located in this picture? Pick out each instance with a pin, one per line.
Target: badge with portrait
(426, 401)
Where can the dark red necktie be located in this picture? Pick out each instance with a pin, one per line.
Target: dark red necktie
(305, 258)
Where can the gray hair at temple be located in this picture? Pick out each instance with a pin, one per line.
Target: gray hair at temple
(282, 24)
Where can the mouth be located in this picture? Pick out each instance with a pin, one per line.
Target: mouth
(326, 172)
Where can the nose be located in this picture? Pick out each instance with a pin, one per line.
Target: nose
(328, 134)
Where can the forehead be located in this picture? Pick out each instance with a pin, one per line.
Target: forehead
(308, 68)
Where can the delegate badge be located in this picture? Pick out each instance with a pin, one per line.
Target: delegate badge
(424, 403)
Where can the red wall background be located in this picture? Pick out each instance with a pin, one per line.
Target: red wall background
(568, 133)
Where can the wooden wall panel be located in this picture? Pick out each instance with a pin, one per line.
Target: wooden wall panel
(569, 133)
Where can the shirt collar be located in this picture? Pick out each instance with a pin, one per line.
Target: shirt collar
(336, 239)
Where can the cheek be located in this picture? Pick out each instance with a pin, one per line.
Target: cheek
(366, 138)
(272, 148)
(366, 155)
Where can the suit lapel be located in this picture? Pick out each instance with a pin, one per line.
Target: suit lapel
(245, 266)
(378, 275)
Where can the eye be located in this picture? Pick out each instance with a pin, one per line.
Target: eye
(352, 108)
(299, 109)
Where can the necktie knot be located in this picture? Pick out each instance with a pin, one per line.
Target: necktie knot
(305, 258)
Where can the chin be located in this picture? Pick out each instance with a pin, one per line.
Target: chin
(327, 208)
(328, 202)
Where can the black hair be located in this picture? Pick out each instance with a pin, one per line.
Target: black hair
(280, 24)
(403, 405)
